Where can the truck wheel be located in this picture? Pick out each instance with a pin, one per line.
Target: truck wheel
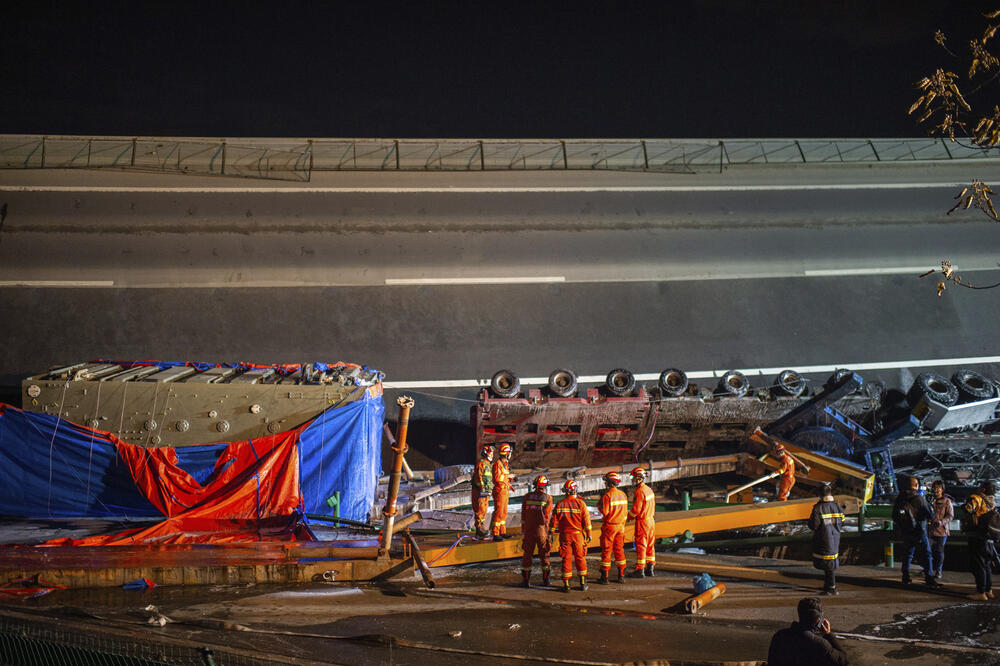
(935, 387)
(973, 386)
(562, 383)
(673, 382)
(505, 384)
(620, 382)
(789, 383)
(734, 384)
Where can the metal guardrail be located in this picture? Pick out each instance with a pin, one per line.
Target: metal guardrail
(295, 159)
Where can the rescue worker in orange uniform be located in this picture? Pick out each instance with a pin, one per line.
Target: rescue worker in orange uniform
(482, 487)
(501, 491)
(643, 510)
(572, 520)
(786, 467)
(536, 514)
(614, 510)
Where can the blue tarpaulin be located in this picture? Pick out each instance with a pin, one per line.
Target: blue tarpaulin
(50, 468)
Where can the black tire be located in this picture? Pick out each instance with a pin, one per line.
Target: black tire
(562, 383)
(789, 383)
(505, 384)
(734, 384)
(673, 382)
(934, 386)
(973, 386)
(620, 382)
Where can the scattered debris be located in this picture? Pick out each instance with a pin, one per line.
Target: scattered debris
(455, 634)
(139, 584)
(514, 627)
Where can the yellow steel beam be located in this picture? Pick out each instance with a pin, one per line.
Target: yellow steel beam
(668, 524)
(822, 469)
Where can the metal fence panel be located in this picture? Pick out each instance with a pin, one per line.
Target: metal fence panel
(682, 156)
(21, 152)
(451, 155)
(627, 156)
(353, 154)
(507, 155)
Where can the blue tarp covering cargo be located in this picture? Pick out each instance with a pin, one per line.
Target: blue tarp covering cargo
(50, 468)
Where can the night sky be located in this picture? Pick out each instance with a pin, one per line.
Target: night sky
(673, 69)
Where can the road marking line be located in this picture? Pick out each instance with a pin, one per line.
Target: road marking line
(477, 190)
(706, 374)
(476, 280)
(892, 270)
(57, 283)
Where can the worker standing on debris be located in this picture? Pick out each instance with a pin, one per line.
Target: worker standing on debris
(940, 527)
(501, 491)
(910, 513)
(572, 520)
(982, 521)
(482, 487)
(826, 521)
(536, 514)
(786, 468)
(614, 512)
(644, 512)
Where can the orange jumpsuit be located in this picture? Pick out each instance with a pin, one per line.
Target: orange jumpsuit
(573, 522)
(501, 490)
(536, 513)
(643, 510)
(482, 486)
(614, 509)
(787, 471)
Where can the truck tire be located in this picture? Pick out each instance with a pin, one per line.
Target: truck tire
(562, 383)
(789, 383)
(673, 382)
(505, 384)
(973, 386)
(935, 387)
(734, 384)
(620, 382)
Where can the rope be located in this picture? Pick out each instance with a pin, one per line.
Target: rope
(450, 548)
(52, 443)
(90, 460)
(443, 397)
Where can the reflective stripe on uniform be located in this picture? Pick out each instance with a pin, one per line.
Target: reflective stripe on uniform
(622, 502)
(826, 557)
(832, 515)
(567, 510)
(535, 503)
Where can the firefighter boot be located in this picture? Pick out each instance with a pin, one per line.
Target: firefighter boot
(566, 585)
(621, 575)
(649, 569)
(638, 573)
(583, 584)
(545, 578)
(604, 577)
(525, 575)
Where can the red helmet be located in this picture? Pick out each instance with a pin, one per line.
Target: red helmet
(505, 450)
(779, 448)
(569, 488)
(487, 451)
(639, 473)
(541, 482)
(612, 478)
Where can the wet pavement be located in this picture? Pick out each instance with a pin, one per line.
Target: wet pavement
(479, 614)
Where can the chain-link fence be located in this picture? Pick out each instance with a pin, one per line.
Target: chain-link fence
(295, 159)
(27, 643)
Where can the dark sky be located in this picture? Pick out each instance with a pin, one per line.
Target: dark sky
(674, 68)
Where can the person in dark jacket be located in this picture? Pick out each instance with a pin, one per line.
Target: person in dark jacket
(910, 514)
(982, 522)
(826, 521)
(808, 642)
(940, 528)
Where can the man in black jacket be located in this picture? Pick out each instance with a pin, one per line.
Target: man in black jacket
(910, 515)
(826, 521)
(982, 522)
(808, 642)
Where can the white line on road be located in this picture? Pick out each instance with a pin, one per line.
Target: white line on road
(476, 190)
(57, 283)
(891, 270)
(477, 280)
(706, 374)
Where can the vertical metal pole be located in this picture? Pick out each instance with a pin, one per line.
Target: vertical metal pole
(43, 152)
(645, 156)
(686, 500)
(132, 161)
(405, 404)
(223, 158)
(565, 159)
(396, 144)
(482, 157)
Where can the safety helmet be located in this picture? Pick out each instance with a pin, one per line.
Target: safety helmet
(639, 473)
(487, 451)
(780, 448)
(505, 450)
(541, 481)
(569, 488)
(612, 478)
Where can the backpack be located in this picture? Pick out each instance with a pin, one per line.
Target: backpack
(904, 518)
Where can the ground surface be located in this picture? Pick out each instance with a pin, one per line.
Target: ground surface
(501, 623)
